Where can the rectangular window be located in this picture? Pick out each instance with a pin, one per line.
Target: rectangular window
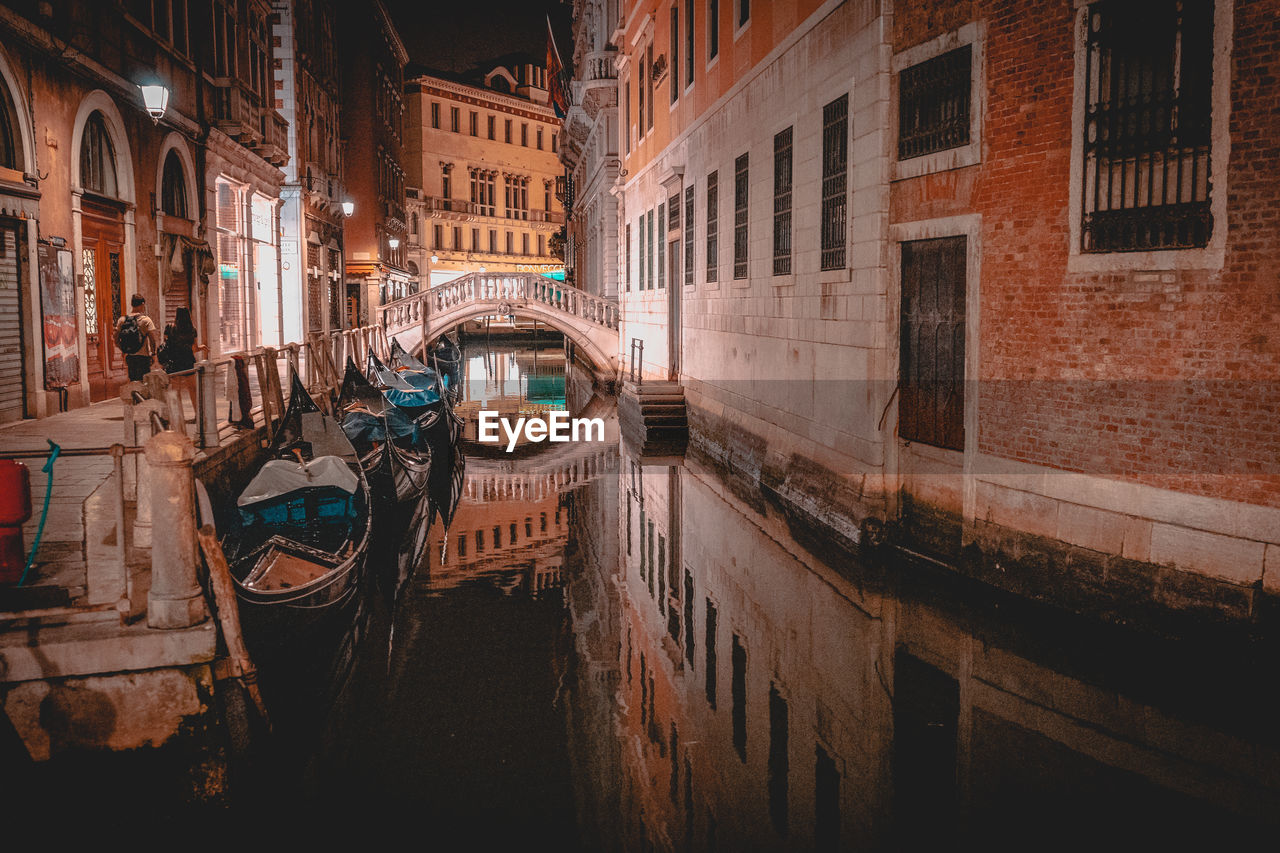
(437, 237)
(640, 265)
(640, 90)
(507, 131)
(740, 212)
(744, 12)
(479, 541)
(539, 139)
(555, 143)
(475, 123)
(931, 389)
(673, 212)
(688, 236)
(524, 244)
(709, 640)
(626, 275)
(511, 243)
(493, 240)
(649, 115)
(457, 238)
(462, 545)
(455, 116)
(713, 226)
(835, 167)
(542, 244)
(738, 689)
(475, 239)
(435, 115)
(713, 29)
(688, 618)
(662, 244)
(688, 42)
(782, 203)
(492, 122)
(776, 779)
(826, 805)
(648, 273)
(1148, 84)
(524, 134)
(674, 84)
(626, 114)
(933, 104)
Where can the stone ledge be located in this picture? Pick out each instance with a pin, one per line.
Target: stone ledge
(61, 651)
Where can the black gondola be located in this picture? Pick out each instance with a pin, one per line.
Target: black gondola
(443, 433)
(297, 538)
(392, 446)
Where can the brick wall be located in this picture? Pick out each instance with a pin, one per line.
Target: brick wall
(1163, 377)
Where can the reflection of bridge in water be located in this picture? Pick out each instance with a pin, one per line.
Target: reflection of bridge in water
(533, 479)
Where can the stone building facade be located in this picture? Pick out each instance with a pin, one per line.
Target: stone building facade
(590, 150)
(308, 94)
(482, 168)
(373, 105)
(101, 202)
(922, 265)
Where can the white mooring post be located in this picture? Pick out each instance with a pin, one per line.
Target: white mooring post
(175, 600)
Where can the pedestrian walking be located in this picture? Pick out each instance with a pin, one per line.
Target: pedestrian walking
(178, 354)
(138, 338)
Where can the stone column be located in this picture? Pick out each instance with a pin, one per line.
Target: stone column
(175, 600)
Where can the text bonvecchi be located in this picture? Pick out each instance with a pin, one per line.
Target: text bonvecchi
(558, 426)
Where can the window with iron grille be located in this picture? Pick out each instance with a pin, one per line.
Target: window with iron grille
(740, 180)
(782, 203)
(713, 226)
(673, 212)
(931, 392)
(1148, 81)
(933, 104)
(648, 273)
(640, 268)
(662, 246)
(688, 236)
(627, 255)
(835, 179)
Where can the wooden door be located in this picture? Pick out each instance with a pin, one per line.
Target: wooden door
(102, 256)
(931, 408)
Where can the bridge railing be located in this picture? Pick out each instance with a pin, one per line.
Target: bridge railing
(513, 289)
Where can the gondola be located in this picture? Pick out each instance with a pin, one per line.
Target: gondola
(443, 433)
(298, 536)
(392, 446)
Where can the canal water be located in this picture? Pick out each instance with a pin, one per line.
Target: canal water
(610, 653)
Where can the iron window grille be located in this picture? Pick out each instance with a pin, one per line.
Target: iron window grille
(662, 245)
(835, 179)
(627, 268)
(740, 182)
(648, 274)
(782, 203)
(1148, 81)
(673, 212)
(933, 104)
(640, 280)
(688, 237)
(713, 226)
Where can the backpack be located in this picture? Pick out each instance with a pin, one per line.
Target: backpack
(129, 336)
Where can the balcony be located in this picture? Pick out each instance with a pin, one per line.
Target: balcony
(274, 144)
(235, 111)
(597, 86)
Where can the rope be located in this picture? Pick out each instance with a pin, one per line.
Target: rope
(54, 450)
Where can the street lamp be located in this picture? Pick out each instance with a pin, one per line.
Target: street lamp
(348, 208)
(155, 97)
(435, 259)
(394, 242)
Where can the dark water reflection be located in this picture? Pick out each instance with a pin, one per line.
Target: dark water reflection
(608, 655)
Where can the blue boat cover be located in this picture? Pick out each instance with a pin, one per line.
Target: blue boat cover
(365, 427)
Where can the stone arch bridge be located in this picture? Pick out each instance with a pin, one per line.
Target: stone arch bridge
(590, 322)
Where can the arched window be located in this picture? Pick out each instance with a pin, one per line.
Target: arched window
(173, 188)
(10, 156)
(97, 158)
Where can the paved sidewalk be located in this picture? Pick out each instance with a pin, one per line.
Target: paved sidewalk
(60, 560)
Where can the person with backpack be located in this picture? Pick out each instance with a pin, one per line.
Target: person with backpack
(137, 338)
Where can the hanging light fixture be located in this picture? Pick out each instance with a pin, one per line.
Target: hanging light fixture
(348, 208)
(394, 242)
(155, 97)
(435, 259)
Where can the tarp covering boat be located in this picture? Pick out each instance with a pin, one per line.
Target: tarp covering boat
(278, 477)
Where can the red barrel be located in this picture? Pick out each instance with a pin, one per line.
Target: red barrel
(15, 509)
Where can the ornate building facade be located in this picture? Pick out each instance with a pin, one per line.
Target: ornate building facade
(482, 164)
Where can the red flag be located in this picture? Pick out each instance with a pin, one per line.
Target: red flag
(556, 85)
